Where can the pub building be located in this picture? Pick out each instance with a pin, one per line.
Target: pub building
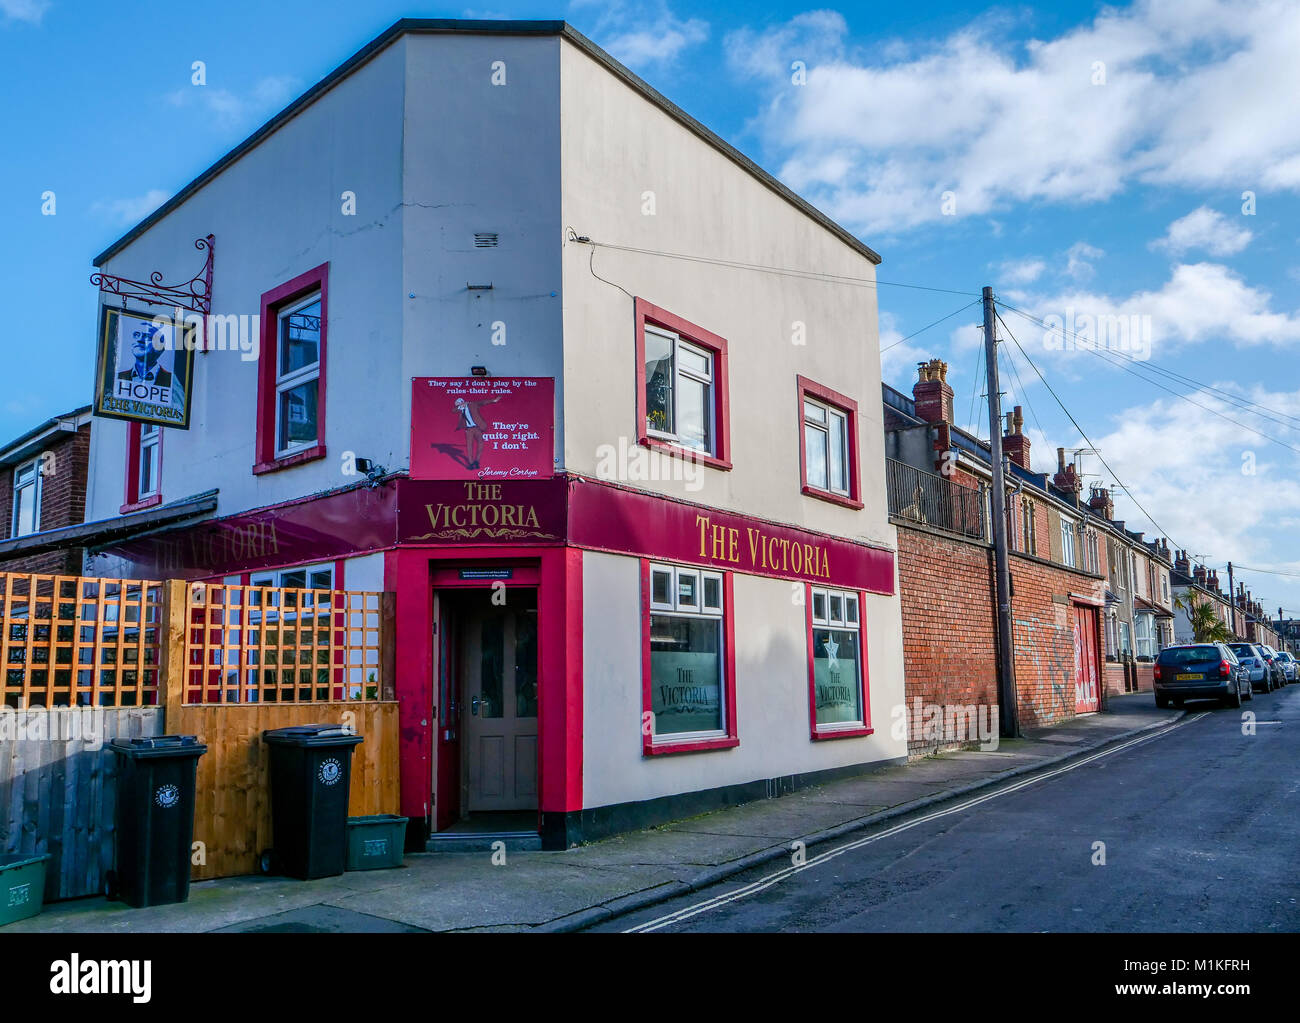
(496, 327)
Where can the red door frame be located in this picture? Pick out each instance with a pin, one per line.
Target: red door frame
(409, 572)
(1087, 660)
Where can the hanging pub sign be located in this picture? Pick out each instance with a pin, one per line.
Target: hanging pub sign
(483, 428)
(145, 369)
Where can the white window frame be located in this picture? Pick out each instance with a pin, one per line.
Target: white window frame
(833, 417)
(288, 381)
(1028, 527)
(707, 378)
(1067, 541)
(828, 619)
(150, 446)
(20, 483)
(1144, 634)
(674, 608)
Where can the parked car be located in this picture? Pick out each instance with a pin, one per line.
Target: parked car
(1252, 658)
(1200, 671)
(1291, 665)
(1270, 655)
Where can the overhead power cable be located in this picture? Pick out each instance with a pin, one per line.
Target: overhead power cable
(779, 270)
(928, 326)
(1088, 440)
(1147, 366)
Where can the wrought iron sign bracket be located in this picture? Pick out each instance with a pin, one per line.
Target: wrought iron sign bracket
(194, 294)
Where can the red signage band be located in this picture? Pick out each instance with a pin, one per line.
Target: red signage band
(607, 517)
(568, 510)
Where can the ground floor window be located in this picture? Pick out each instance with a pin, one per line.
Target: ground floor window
(688, 673)
(837, 672)
(1145, 631)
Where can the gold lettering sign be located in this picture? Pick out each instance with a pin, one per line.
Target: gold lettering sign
(767, 552)
(485, 514)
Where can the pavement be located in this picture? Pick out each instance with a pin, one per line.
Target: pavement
(595, 884)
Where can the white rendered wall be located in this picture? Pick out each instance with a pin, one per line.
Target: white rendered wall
(771, 691)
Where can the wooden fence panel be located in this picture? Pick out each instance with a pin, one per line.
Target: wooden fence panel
(58, 786)
(232, 812)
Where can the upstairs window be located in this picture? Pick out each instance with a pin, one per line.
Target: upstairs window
(297, 379)
(1067, 542)
(291, 372)
(681, 398)
(144, 448)
(26, 517)
(828, 444)
(1029, 531)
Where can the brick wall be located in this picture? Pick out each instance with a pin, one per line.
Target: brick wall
(1042, 616)
(949, 649)
(63, 503)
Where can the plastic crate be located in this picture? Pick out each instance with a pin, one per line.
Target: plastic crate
(22, 886)
(376, 842)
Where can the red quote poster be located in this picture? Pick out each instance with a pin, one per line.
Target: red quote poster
(483, 428)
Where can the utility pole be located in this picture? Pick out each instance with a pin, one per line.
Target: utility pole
(1232, 594)
(1007, 709)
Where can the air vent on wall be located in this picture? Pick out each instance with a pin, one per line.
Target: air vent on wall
(485, 239)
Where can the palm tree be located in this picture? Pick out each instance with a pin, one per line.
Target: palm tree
(1206, 625)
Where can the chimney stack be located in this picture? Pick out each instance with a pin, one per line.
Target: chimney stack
(1199, 574)
(1067, 477)
(1014, 441)
(1180, 562)
(931, 392)
(1101, 503)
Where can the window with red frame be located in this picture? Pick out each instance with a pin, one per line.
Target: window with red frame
(682, 402)
(828, 444)
(837, 664)
(291, 381)
(689, 667)
(143, 466)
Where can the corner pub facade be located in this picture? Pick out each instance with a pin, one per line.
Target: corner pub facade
(669, 470)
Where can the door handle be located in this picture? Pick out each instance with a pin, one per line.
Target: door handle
(473, 706)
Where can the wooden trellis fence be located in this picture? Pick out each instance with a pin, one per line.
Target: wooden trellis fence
(86, 659)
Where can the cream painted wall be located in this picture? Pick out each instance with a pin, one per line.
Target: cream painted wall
(276, 212)
(771, 691)
(617, 145)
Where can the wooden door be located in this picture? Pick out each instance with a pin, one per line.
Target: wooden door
(1087, 664)
(499, 709)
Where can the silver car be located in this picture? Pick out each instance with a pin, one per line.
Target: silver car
(1290, 664)
(1261, 677)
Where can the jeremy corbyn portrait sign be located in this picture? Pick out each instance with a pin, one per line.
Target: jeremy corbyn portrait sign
(145, 369)
(483, 428)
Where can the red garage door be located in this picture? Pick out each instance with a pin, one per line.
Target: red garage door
(1087, 665)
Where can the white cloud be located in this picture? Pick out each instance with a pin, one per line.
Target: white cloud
(30, 11)
(640, 37)
(1200, 302)
(236, 110)
(1168, 449)
(130, 211)
(1023, 271)
(1196, 93)
(1206, 229)
(1079, 259)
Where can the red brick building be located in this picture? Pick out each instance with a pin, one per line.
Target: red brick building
(43, 487)
(938, 477)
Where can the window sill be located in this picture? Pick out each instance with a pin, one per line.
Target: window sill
(148, 502)
(654, 749)
(841, 733)
(286, 461)
(687, 454)
(832, 498)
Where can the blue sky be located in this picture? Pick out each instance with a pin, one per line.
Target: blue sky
(1085, 160)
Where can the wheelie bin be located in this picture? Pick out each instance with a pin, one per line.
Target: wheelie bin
(154, 819)
(311, 769)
